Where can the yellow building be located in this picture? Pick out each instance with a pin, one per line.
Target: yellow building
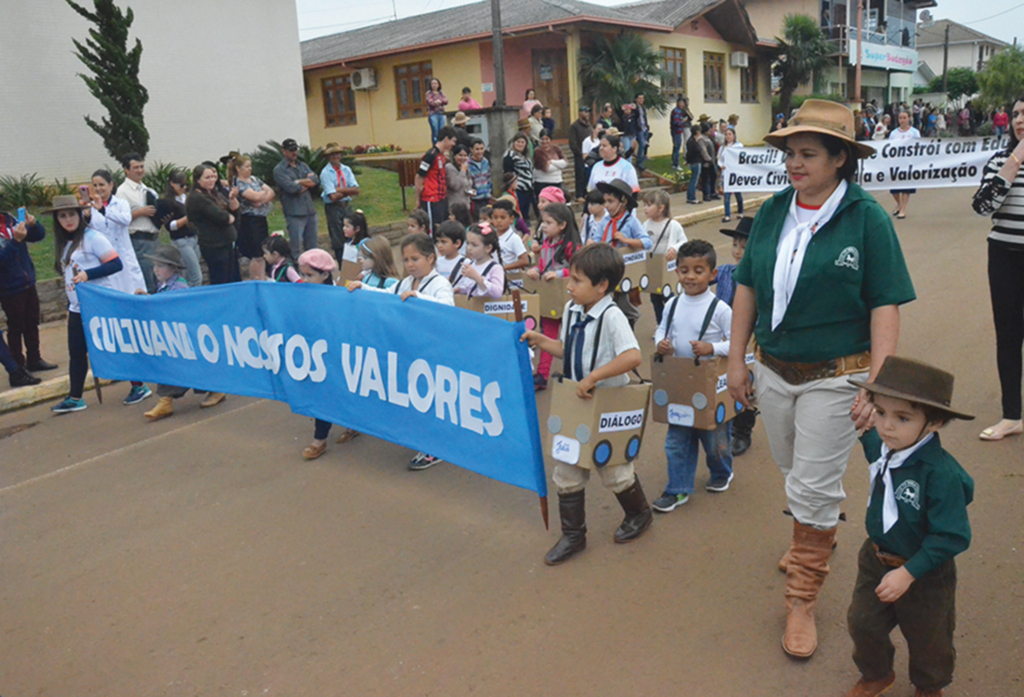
(368, 86)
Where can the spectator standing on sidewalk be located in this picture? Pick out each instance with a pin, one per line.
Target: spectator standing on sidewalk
(295, 179)
(679, 127)
(579, 131)
(183, 235)
(142, 201)
(338, 185)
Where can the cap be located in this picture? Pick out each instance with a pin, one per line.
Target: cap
(289, 144)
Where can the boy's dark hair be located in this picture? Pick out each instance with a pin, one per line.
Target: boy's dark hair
(698, 248)
(447, 132)
(466, 90)
(694, 129)
(421, 217)
(485, 211)
(126, 159)
(423, 244)
(461, 213)
(600, 262)
(595, 196)
(474, 141)
(505, 205)
(535, 109)
(451, 230)
(932, 415)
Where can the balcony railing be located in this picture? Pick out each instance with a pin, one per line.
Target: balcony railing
(841, 36)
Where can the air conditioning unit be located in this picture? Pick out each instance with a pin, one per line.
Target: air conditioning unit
(739, 59)
(364, 79)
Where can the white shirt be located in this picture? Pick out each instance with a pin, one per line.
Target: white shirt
(589, 143)
(135, 195)
(89, 254)
(905, 135)
(433, 287)
(350, 253)
(112, 223)
(445, 266)
(620, 169)
(673, 237)
(721, 153)
(687, 315)
(512, 246)
(616, 337)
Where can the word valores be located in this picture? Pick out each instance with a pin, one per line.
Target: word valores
(459, 397)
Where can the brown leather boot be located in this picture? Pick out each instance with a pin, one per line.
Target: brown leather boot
(164, 408)
(638, 513)
(784, 562)
(572, 509)
(212, 400)
(872, 688)
(808, 567)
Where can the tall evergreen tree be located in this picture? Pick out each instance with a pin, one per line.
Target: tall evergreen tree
(115, 78)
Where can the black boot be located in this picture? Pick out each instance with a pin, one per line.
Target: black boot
(638, 513)
(40, 365)
(742, 427)
(572, 509)
(23, 378)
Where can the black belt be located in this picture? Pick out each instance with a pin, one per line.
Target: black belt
(145, 236)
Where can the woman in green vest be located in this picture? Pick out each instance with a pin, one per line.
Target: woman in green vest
(820, 287)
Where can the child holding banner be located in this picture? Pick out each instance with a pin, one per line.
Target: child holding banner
(378, 263)
(480, 275)
(599, 349)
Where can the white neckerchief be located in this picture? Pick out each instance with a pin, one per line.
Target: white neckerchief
(890, 512)
(793, 246)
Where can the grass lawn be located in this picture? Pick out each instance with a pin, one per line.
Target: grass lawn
(379, 199)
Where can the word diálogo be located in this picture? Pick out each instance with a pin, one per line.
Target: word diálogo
(621, 421)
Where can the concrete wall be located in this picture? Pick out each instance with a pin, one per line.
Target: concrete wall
(960, 56)
(220, 75)
(767, 15)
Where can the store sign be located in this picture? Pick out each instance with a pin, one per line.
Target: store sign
(888, 57)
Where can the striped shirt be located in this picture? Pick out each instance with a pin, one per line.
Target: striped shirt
(1003, 201)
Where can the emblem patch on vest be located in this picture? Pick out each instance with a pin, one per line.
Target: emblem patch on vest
(849, 258)
(909, 492)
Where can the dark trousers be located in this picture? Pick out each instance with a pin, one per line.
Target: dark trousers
(335, 214)
(437, 212)
(658, 303)
(22, 310)
(321, 428)
(143, 247)
(580, 172)
(6, 360)
(926, 614)
(78, 355)
(1006, 285)
(222, 263)
(526, 202)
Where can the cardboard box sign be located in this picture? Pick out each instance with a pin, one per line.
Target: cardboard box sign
(686, 394)
(504, 307)
(350, 271)
(659, 278)
(636, 267)
(552, 295)
(594, 433)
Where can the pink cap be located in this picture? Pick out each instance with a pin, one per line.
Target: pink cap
(552, 193)
(318, 259)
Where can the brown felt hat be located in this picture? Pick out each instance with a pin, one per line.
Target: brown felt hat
(63, 203)
(821, 116)
(915, 381)
(168, 255)
(523, 123)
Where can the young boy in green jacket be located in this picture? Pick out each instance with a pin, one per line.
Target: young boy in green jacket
(916, 522)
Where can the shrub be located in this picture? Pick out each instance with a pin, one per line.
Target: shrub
(26, 190)
(157, 174)
(986, 129)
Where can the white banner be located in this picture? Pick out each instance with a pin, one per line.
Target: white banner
(923, 163)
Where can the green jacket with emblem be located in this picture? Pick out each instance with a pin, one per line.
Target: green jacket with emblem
(932, 494)
(853, 264)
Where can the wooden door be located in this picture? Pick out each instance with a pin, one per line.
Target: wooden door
(551, 82)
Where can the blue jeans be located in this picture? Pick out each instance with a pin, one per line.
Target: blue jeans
(641, 150)
(728, 203)
(691, 192)
(627, 144)
(189, 248)
(303, 233)
(437, 122)
(1000, 131)
(677, 145)
(681, 451)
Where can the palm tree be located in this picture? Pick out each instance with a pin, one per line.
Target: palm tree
(616, 70)
(803, 51)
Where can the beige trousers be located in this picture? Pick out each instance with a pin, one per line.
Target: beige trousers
(811, 435)
(570, 479)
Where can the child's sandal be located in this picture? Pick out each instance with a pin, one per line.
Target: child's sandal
(347, 435)
(313, 451)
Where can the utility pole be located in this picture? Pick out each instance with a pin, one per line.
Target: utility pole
(499, 54)
(945, 61)
(860, 53)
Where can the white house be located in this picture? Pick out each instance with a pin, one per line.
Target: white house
(968, 48)
(221, 75)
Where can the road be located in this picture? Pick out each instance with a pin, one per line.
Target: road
(201, 555)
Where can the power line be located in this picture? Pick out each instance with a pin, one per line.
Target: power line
(347, 24)
(985, 19)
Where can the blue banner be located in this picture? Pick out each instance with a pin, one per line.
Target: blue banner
(454, 383)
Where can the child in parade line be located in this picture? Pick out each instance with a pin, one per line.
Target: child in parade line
(168, 267)
(695, 324)
(593, 214)
(510, 182)
(424, 282)
(561, 240)
(620, 228)
(545, 197)
(513, 251)
(609, 352)
(317, 266)
(459, 212)
(483, 215)
(277, 252)
(84, 255)
(19, 297)
(355, 229)
(449, 241)
(418, 222)
(667, 234)
(378, 263)
(916, 523)
(725, 289)
(480, 275)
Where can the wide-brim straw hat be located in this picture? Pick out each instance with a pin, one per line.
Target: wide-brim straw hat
(523, 123)
(460, 118)
(613, 131)
(168, 255)
(617, 186)
(332, 149)
(826, 118)
(63, 203)
(915, 381)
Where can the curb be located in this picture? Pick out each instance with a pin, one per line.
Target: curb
(21, 397)
(717, 211)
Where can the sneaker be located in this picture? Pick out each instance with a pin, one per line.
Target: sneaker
(69, 405)
(666, 503)
(22, 378)
(540, 383)
(424, 463)
(719, 484)
(416, 458)
(137, 394)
